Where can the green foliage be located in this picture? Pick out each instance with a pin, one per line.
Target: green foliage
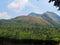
(56, 3)
(29, 30)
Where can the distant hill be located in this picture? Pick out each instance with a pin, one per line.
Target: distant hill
(32, 19)
(50, 16)
(44, 26)
(34, 14)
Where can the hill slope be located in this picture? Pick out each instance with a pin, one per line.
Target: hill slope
(33, 26)
(50, 16)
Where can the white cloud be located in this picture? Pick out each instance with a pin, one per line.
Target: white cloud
(4, 15)
(18, 5)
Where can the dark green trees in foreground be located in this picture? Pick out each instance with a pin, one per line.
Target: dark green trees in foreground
(29, 31)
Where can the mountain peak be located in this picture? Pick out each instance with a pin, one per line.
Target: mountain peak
(51, 16)
(52, 13)
(34, 14)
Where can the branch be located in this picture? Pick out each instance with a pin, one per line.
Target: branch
(56, 3)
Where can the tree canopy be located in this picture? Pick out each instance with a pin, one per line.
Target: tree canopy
(56, 3)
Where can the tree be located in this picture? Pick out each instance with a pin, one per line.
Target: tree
(56, 3)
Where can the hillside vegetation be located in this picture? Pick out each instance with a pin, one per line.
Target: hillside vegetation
(43, 27)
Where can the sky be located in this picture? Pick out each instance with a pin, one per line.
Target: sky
(12, 8)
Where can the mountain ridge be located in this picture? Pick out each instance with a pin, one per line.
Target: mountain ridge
(50, 16)
(41, 27)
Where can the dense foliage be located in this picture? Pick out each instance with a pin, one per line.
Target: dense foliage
(56, 3)
(19, 29)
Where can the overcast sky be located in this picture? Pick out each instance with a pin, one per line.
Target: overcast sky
(13, 8)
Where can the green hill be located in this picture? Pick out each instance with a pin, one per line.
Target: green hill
(43, 27)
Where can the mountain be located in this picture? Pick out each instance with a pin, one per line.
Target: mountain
(34, 14)
(46, 19)
(50, 16)
(33, 26)
(32, 19)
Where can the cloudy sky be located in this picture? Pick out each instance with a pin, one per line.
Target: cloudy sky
(12, 8)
